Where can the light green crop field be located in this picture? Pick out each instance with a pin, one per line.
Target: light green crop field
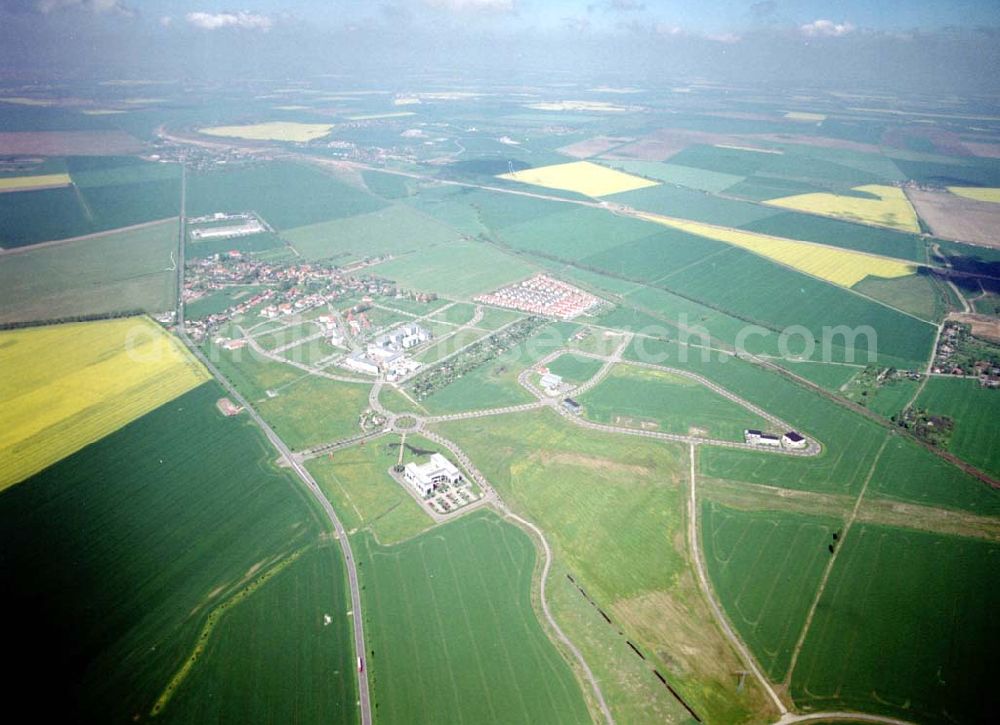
(149, 535)
(827, 375)
(765, 568)
(917, 294)
(357, 482)
(113, 272)
(306, 409)
(916, 641)
(689, 176)
(393, 230)
(632, 396)
(575, 369)
(612, 509)
(453, 635)
(975, 410)
(459, 313)
(483, 268)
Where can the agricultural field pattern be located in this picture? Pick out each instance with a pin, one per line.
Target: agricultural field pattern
(328, 401)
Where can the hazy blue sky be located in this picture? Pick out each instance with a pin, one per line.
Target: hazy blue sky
(929, 42)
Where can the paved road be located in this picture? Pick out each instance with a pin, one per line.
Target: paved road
(314, 489)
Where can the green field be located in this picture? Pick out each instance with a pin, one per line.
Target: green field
(908, 472)
(254, 243)
(612, 509)
(146, 533)
(917, 294)
(458, 314)
(575, 369)
(216, 302)
(689, 176)
(286, 195)
(765, 568)
(396, 229)
(631, 396)
(483, 268)
(830, 376)
(975, 410)
(811, 228)
(306, 409)
(366, 497)
(109, 193)
(916, 641)
(453, 636)
(114, 272)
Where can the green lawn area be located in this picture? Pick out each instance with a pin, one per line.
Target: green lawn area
(115, 557)
(975, 410)
(612, 508)
(365, 495)
(765, 568)
(453, 636)
(458, 314)
(394, 230)
(113, 272)
(631, 396)
(916, 640)
(462, 270)
(575, 369)
(306, 410)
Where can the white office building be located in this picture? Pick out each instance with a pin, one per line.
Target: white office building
(426, 477)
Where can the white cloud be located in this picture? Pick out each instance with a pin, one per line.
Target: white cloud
(97, 6)
(166, 21)
(242, 19)
(490, 6)
(727, 38)
(826, 29)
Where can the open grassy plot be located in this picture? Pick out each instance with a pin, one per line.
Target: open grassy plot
(882, 205)
(916, 641)
(272, 131)
(828, 375)
(582, 177)
(40, 181)
(458, 314)
(492, 385)
(839, 266)
(612, 509)
(483, 268)
(274, 637)
(392, 230)
(918, 294)
(303, 409)
(116, 557)
(453, 634)
(113, 272)
(975, 411)
(286, 195)
(65, 386)
(653, 400)
(977, 193)
(575, 369)
(765, 568)
(365, 495)
(908, 472)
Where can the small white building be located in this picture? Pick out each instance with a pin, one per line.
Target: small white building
(791, 439)
(551, 381)
(758, 438)
(426, 477)
(361, 364)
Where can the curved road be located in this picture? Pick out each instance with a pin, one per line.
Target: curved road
(314, 489)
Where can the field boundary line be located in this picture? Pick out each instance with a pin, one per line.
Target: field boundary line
(829, 566)
(702, 575)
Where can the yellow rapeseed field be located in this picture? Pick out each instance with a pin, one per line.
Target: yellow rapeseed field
(840, 266)
(890, 209)
(272, 131)
(582, 177)
(23, 183)
(978, 193)
(64, 386)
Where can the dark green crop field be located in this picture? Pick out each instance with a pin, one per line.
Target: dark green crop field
(453, 636)
(118, 557)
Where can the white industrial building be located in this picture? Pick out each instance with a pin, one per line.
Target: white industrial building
(361, 364)
(551, 382)
(791, 439)
(757, 438)
(426, 477)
